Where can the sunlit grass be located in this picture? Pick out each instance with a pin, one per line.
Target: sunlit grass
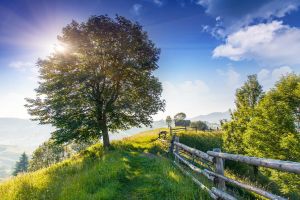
(134, 169)
(137, 167)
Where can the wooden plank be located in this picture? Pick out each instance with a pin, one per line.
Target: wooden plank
(269, 163)
(247, 187)
(222, 195)
(196, 152)
(194, 168)
(212, 195)
(174, 129)
(219, 166)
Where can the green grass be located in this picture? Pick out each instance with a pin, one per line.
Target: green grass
(204, 141)
(135, 169)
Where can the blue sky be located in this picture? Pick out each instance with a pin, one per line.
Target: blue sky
(208, 46)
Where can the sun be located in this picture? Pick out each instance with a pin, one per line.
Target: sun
(58, 48)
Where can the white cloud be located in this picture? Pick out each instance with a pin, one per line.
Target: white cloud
(231, 76)
(263, 74)
(269, 77)
(158, 2)
(281, 71)
(271, 43)
(136, 9)
(237, 14)
(187, 96)
(12, 105)
(29, 68)
(195, 97)
(21, 66)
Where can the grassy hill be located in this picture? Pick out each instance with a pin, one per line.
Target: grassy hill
(134, 169)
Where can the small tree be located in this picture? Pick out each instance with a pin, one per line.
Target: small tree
(247, 97)
(200, 125)
(21, 165)
(47, 154)
(50, 153)
(179, 116)
(169, 121)
(179, 120)
(102, 83)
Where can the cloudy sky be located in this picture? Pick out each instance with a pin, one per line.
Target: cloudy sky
(208, 46)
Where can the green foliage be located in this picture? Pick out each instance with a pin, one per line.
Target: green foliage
(204, 141)
(103, 81)
(200, 125)
(247, 98)
(265, 126)
(50, 153)
(179, 116)
(21, 165)
(47, 154)
(130, 171)
(179, 120)
(272, 132)
(169, 121)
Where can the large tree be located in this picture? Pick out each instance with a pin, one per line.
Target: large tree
(102, 82)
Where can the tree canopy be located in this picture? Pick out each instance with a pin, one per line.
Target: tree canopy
(102, 82)
(179, 116)
(247, 98)
(266, 126)
(50, 153)
(200, 125)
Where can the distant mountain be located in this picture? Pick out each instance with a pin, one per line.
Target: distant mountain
(214, 117)
(23, 132)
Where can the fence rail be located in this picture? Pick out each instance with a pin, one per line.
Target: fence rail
(218, 158)
(287, 166)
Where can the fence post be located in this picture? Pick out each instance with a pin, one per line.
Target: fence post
(219, 165)
(172, 145)
(176, 148)
(170, 130)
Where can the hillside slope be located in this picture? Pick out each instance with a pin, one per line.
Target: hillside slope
(135, 169)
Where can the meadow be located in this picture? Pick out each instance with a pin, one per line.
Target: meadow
(137, 167)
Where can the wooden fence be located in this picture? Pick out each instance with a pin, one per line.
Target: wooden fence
(216, 174)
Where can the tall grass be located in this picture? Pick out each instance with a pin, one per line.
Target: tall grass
(133, 170)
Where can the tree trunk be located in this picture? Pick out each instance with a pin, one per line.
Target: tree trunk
(105, 137)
